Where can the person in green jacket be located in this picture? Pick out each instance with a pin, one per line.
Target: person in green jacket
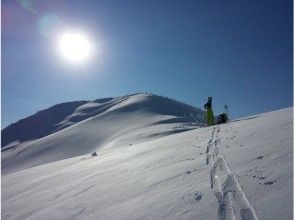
(209, 112)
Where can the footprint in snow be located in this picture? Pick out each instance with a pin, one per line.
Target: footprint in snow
(191, 198)
(270, 182)
(190, 159)
(198, 196)
(190, 171)
(257, 174)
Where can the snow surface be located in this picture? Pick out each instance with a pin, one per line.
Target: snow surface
(38, 125)
(110, 122)
(239, 170)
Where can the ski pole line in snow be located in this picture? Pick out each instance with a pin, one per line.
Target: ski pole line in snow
(230, 193)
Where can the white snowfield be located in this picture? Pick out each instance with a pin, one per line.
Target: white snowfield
(114, 122)
(239, 170)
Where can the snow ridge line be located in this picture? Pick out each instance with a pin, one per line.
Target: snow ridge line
(224, 184)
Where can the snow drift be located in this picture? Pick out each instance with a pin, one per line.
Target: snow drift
(239, 170)
(106, 122)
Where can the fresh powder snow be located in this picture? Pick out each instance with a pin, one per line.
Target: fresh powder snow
(151, 163)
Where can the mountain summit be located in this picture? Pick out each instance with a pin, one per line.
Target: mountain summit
(76, 128)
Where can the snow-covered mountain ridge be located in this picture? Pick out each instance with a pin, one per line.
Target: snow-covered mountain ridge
(239, 170)
(110, 122)
(62, 115)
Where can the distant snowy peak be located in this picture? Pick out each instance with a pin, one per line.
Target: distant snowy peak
(38, 125)
(63, 115)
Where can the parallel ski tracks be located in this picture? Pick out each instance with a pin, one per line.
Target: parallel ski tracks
(233, 203)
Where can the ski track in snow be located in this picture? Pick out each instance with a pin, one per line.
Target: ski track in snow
(158, 178)
(233, 203)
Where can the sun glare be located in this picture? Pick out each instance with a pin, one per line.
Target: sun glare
(75, 46)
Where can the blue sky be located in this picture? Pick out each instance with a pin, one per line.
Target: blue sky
(239, 52)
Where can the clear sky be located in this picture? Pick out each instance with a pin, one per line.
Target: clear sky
(239, 52)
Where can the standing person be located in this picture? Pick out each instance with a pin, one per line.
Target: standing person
(209, 112)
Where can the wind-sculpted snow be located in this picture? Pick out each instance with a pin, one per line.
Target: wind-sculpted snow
(239, 170)
(63, 115)
(111, 122)
(38, 125)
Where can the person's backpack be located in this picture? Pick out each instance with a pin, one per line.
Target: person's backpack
(222, 118)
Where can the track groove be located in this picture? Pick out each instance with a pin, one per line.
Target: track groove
(233, 203)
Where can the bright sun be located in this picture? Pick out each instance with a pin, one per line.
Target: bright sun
(75, 46)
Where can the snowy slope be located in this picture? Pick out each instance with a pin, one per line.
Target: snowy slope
(104, 123)
(38, 125)
(63, 115)
(240, 170)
